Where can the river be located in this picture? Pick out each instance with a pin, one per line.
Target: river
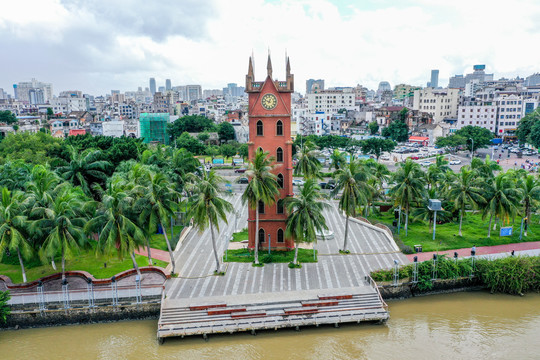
(455, 326)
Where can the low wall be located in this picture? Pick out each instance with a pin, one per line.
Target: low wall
(408, 290)
(21, 320)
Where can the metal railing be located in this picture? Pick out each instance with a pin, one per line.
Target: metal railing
(374, 285)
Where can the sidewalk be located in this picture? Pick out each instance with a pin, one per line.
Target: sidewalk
(155, 253)
(520, 248)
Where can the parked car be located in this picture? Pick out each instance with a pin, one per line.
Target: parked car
(297, 182)
(243, 180)
(329, 185)
(414, 157)
(455, 162)
(425, 163)
(240, 171)
(385, 157)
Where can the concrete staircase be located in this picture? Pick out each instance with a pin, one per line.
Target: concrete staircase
(255, 312)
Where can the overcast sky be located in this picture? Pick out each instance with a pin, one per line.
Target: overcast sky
(99, 45)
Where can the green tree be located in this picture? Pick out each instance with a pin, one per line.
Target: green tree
(305, 217)
(38, 148)
(158, 203)
(479, 135)
(190, 124)
(262, 187)
(485, 168)
(308, 163)
(85, 169)
(183, 163)
(212, 151)
(502, 199)
(397, 131)
(337, 159)
(190, 143)
(14, 174)
(14, 225)
(118, 233)
(453, 142)
(525, 126)
(409, 188)
(227, 150)
(226, 131)
(377, 146)
(534, 135)
(243, 151)
(529, 186)
(373, 127)
(5, 309)
(64, 218)
(7, 117)
(351, 181)
(203, 137)
(50, 113)
(466, 190)
(207, 206)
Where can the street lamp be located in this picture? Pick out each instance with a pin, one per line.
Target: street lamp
(434, 205)
(472, 147)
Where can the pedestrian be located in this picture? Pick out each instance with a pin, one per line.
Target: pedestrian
(473, 250)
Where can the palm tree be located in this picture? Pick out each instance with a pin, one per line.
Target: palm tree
(465, 191)
(308, 163)
(85, 169)
(351, 180)
(305, 217)
(409, 188)
(530, 192)
(183, 163)
(379, 176)
(118, 233)
(158, 203)
(262, 187)
(64, 220)
(435, 174)
(207, 207)
(13, 224)
(337, 159)
(485, 168)
(502, 199)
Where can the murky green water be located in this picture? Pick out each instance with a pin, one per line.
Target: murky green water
(455, 326)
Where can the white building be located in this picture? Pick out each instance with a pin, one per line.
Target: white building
(439, 103)
(113, 128)
(510, 108)
(331, 101)
(22, 90)
(482, 114)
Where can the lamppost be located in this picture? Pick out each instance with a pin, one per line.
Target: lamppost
(434, 205)
(472, 147)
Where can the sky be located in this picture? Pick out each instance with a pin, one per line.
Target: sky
(99, 45)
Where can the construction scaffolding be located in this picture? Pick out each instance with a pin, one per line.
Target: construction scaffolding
(154, 127)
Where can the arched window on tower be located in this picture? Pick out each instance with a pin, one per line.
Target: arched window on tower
(280, 181)
(279, 128)
(261, 235)
(279, 206)
(259, 128)
(280, 238)
(279, 154)
(261, 207)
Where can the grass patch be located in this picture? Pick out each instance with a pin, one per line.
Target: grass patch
(474, 231)
(246, 256)
(85, 261)
(157, 241)
(240, 235)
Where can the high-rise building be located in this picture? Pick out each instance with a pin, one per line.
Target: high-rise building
(154, 127)
(270, 130)
(152, 86)
(434, 83)
(168, 85)
(314, 85)
(460, 81)
(22, 90)
(193, 92)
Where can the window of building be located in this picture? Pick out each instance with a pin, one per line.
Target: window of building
(280, 181)
(261, 207)
(259, 128)
(279, 154)
(280, 207)
(279, 128)
(261, 235)
(280, 238)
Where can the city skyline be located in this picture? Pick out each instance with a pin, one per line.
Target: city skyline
(95, 47)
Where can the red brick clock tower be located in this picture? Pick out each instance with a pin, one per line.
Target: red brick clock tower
(270, 129)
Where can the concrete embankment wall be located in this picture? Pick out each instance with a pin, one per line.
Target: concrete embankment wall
(54, 317)
(408, 290)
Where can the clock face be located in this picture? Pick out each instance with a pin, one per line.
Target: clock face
(269, 101)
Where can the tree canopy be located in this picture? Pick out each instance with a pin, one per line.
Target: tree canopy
(529, 129)
(190, 124)
(7, 117)
(226, 131)
(377, 146)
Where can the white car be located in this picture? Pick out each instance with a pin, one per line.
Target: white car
(425, 163)
(455, 162)
(297, 182)
(385, 157)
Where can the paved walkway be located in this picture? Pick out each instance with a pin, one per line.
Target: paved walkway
(519, 248)
(155, 253)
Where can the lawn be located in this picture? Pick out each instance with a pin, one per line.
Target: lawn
(246, 256)
(157, 241)
(240, 236)
(474, 231)
(86, 261)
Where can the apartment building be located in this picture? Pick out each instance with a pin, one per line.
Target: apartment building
(331, 101)
(439, 103)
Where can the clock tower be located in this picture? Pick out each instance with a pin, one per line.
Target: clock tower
(269, 116)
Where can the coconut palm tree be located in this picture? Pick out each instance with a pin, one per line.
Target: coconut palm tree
(337, 159)
(64, 219)
(85, 169)
(262, 187)
(13, 225)
(305, 217)
(409, 188)
(308, 163)
(465, 191)
(529, 186)
(436, 172)
(158, 202)
(118, 233)
(183, 163)
(207, 207)
(351, 181)
(502, 199)
(379, 176)
(485, 168)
